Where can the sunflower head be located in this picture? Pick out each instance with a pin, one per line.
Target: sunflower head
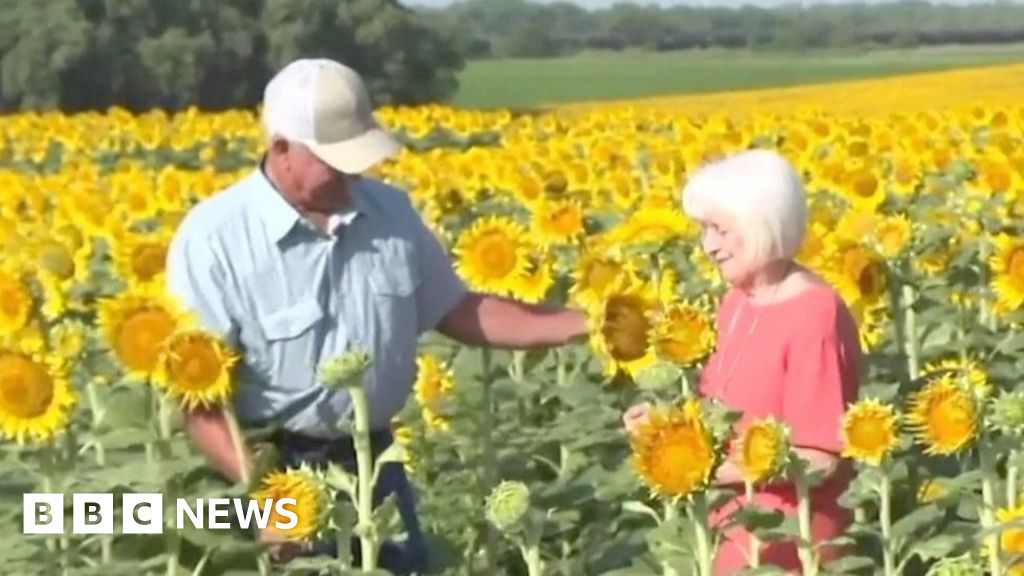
(135, 325)
(507, 504)
(196, 367)
(964, 370)
(311, 507)
(36, 397)
(1011, 541)
(433, 386)
(945, 416)
(16, 303)
(870, 431)
(624, 326)
(675, 451)
(683, 334)
(932, 490)
(1007, 266)
(346, 369)
(764, 450)
(1008, 414)
(492, 254)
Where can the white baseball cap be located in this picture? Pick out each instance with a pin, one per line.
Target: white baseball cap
(325, 106)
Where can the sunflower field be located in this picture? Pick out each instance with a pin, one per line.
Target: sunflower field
(520, 459)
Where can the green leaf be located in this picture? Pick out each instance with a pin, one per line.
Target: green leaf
(638, 507)
(848, 564)
(939, 546)
(660, 376)
(911, 523)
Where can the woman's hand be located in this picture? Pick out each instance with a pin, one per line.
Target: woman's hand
(636, 416)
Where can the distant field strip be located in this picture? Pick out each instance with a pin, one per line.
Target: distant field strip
(993, 85)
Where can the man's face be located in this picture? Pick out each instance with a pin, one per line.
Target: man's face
(309, 182)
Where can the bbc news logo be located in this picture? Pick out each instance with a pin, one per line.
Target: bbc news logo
(144, 513)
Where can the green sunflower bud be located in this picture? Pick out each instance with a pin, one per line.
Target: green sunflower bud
(508, 504)
(1008, 413)
(345, 370)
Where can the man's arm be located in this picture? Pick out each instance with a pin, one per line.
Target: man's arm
(197, 280)
(209, 430)
(484, 320)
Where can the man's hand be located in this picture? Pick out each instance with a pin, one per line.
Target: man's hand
(281, 549)
(485, 320)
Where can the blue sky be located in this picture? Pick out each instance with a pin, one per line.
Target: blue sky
(725, 3)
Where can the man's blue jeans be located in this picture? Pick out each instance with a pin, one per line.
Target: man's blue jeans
(409, 557)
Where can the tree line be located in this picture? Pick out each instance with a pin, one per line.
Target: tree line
(215, 54)
(517, 28)
(78, 55)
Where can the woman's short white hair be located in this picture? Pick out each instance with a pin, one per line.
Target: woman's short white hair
(763, 192)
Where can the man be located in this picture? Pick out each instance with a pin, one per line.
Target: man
(304, 259)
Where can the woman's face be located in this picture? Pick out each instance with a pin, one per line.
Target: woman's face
(722, 239)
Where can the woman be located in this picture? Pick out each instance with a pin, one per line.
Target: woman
(787, 345)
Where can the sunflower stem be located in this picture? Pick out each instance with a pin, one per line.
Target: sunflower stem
(988, 521)
(885, 517)
(534, 563)
(1012, 477)
(806, 551)
(700, 516)
(755, 542)
(50, 484)
(562, 377)
(489, 455)
(98, 412)
(671, 514)
(364, 466)
(910, 329)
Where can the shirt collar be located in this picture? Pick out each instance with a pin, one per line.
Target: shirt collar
(281, 217)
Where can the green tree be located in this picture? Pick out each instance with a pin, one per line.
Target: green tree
(402, 61)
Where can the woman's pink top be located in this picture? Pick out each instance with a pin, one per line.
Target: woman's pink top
(797, 360)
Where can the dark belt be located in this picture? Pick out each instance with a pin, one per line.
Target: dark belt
(341, 447)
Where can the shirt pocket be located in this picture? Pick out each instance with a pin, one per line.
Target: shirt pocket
(393, 284)
(292, 343)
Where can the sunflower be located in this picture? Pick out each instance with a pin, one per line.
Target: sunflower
(434, 383)
(533, 286)
(859, 274)
(196, 367)
(870, 431)
(1011, 539)
(492, 254)
(932, 490)
(674, 452)
(624, 327)
(558, 222)
(683, 333)
(68, 339)
(652, 225)
(763, 450)
(36, 397)
(310, 506)
(595, 272)
(15, 303)
(944, 416)
(1007, 266)
(864, 188)
(966, 370)
(135, 325)
(892, 235)
(141, 258)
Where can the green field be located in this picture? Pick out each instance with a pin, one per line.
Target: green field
(608, 76)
